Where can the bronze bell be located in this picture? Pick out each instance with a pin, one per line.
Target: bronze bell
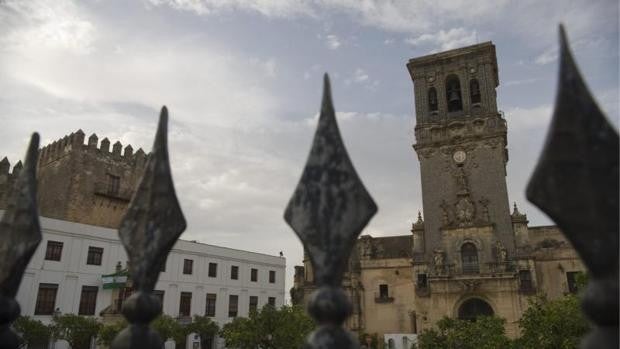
(454, 97)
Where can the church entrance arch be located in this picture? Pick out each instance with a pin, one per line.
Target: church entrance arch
(474, 307)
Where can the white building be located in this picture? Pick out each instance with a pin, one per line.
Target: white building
(65, 275)
(400, 340)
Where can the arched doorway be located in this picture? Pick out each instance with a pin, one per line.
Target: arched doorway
(474, 307)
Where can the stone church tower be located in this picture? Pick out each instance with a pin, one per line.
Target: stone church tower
(82, 182)
(468, 255)
(461, 146)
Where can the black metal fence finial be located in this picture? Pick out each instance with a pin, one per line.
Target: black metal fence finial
(153, 223)
(576, 184)
(328, 210)
(20, 234)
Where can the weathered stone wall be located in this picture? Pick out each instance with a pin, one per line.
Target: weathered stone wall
(394, 314)
(74, 180)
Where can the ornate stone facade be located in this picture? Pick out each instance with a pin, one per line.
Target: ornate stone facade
(83, 183)
(469, 255)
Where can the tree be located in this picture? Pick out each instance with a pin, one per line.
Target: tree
(204, 327)
(169, 328)
(32, 332)
(108, 332)
(269, 328)
(487, 332)
(75, 329)
(556, 324)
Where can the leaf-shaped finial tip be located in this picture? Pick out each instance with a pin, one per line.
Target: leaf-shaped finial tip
(161, 137)
(327, 105)
(33, 151)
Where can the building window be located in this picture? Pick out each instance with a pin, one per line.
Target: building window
(233, 305)
(123, 294)
(571, 280)
(88, 300)
(234, 272)
(254, 275)
(271, 301)
(212, 270)
(469, 258)
(422, 281)
(383, 291)
(94, 255)
(391, 344)
(210, 309)
(185, 305)
(453, 93)
(525, 280)
(114, 184)
(46, 299)
(53, 251)
(160, 295)
(432, 99)
(253, 303)
(474, 91)
(272, 276)
(188, 266)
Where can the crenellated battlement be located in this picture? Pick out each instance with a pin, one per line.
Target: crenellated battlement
(75, 142)
(82, 179)
(7, 176)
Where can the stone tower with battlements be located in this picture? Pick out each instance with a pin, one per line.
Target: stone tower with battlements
(85, 182)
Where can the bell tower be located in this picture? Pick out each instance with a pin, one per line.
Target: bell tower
(461, 145)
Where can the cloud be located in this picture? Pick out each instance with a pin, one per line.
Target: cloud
(521, 82)
(360, 75)
(445, 40)
(333, 43)
(269, 8)
(548, 56)
(43, 23)
(522, 119)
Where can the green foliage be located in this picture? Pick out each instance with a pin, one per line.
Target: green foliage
(204, 327)
(31, 332)
(75, 329)
(557, 324)
(269, 328)
(487, 332)
(108, 332)
(169, 328)
(374, 340)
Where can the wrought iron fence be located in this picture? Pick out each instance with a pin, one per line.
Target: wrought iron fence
(330, 207)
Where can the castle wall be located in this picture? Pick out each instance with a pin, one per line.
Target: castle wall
(84, 183)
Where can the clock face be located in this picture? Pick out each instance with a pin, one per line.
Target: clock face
(459, 156)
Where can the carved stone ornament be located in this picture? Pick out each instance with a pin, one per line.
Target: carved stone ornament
(464, 210)
(470, 285)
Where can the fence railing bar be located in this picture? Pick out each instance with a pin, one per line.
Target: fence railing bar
(328, 210)
(20, 234)
(576, 184)
(153, 223)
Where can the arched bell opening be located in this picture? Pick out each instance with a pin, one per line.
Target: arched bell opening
(453, 93)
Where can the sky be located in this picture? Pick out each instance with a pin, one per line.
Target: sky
(243, 79)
